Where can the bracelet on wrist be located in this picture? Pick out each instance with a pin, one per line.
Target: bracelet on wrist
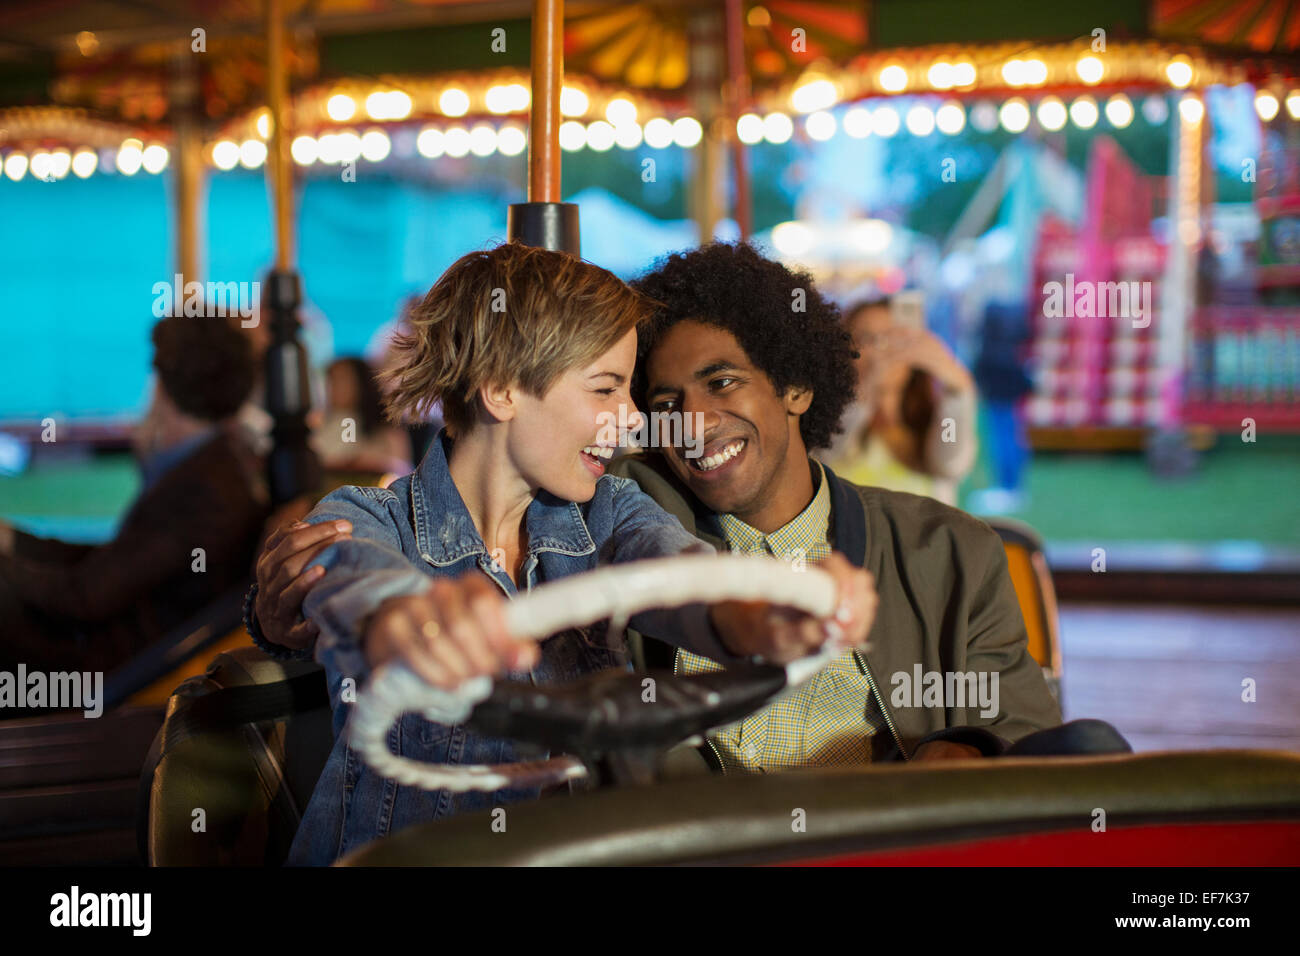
(275, 651)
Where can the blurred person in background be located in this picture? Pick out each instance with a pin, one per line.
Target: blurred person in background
(252, 416)
(1003, 382)
(317, 338)
(352, 433)
(188, 537)
(911, 426)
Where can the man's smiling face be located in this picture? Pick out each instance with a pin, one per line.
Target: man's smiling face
(753, 462)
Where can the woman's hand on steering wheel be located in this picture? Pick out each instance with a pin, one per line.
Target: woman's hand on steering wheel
(780, 635)
(454, 631)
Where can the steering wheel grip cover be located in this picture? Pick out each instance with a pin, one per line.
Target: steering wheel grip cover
(591, 712)
(610, 710)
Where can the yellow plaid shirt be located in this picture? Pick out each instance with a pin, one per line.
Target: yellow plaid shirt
(824, 723)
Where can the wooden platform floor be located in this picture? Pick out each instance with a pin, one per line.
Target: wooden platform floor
(1171, 678)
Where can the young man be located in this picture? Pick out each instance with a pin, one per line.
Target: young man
(761, 357)
(752, 353)
(93, 607)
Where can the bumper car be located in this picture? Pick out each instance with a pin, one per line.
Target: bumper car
(70, 788)
(251, 754)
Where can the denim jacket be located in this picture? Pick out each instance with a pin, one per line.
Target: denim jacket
(413, 530)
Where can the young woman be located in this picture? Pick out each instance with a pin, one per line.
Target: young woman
(527, 351)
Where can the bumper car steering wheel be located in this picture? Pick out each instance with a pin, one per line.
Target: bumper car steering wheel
(605, 712)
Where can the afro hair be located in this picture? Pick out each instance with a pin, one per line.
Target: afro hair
(787, 329)
(205, 365)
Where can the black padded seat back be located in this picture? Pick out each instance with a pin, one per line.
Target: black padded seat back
(236, 761)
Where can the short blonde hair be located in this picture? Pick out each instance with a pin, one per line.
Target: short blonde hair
(512, 315)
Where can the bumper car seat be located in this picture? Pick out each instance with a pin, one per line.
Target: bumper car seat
(1032, 579)
(235, 763)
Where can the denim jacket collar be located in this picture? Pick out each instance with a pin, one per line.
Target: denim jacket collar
(445, 533)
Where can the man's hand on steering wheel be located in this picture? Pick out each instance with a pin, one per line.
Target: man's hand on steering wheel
(780, 635)
(282, 584)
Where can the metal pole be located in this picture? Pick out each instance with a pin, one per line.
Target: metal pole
(543, 220)
(544, 120)
(292, 467)
(189, 194)
(704, 34)
(190, 172)
(737, 100)
(278, 158)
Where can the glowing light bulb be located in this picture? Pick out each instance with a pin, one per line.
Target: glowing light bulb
(893, 79)
(885, 121)
(857, 122)
(1179, 72)
(950, 118)
(429, 143)
(1191, 109)
(1083, 112)
(777, 128)
(252, 153)
(920, 120)
(511, 140)
(454, 101)
(375, 145)
(1119, 111)
(1090, 70)
(340, 107)
(1014, 115)
(154, 158)
(820, 126)
(573, 102)
(84, 163)
(1266, 105)
(749, 128)
(304, 150)
(687, 132)
(1052, 114)
(659, 133)
(225, 155)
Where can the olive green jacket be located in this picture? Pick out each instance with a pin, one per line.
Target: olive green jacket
(946, 603)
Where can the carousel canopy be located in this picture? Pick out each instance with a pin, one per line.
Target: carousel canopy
(93, 72)
(127, 59)
(122, 56)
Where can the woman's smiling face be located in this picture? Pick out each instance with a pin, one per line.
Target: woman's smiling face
(561, 441)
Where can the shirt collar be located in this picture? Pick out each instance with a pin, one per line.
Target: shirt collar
(810, 526)
(445, 532)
